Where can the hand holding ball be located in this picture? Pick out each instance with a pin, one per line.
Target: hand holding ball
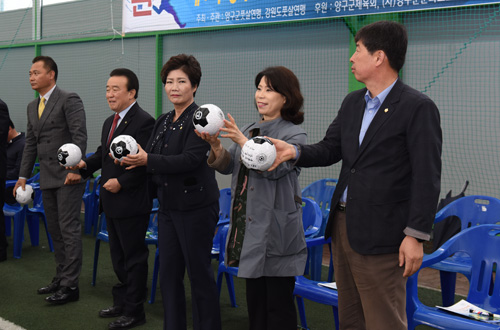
(69, 154)
(258, 153)
(25, 196)
(208, 118)
(123, 145)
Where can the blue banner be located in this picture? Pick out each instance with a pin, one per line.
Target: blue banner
(155, 15)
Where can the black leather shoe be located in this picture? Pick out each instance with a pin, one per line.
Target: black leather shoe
(127, 322)
(64, 295)
(113, 311)
(51, 288)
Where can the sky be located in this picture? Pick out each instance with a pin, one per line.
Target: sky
(18, 4)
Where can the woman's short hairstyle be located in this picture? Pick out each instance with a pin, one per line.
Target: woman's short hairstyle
(284, 82)
(188, 64)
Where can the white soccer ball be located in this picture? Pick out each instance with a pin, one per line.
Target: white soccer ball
(69, 154)
(208, 118)
(123, 145)
(258, 153)
(25, 196)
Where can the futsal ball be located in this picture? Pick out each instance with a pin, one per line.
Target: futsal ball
(258, 153)
(208, 118)
(69, 154)
(122, 146)
(25, 196)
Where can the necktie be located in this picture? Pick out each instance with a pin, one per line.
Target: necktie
(113, 127)
(41, 107)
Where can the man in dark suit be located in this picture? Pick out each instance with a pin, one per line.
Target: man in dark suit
(388, 137)
(4, 130)
(125, 200)
(15, 146)
(55, 118)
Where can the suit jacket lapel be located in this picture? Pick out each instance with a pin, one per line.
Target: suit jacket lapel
(49, 106)
(384, 112)
(359, 110)
(125, 121)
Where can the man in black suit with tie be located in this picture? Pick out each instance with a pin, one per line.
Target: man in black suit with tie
(125, 200)
(4, 131)
(388, 137)
(55, 118)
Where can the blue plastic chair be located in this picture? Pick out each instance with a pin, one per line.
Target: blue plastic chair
(311, 218)
(482, 245)
(34, 215)
(102, 235)
(309, 289)
(17, 214)
(150, 238)
(225, 203)
(223, 270)
(472, 210)
(91, 203)
(321, 191)
(224, 215)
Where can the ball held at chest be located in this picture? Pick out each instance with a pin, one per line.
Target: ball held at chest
(122, 146)
(258, 153)
(208, 118)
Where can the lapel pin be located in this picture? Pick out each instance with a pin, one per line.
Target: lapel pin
(127, 122)
(386, 110)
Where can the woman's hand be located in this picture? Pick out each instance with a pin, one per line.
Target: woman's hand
(213, 140)
(233, 132)
(139, 159)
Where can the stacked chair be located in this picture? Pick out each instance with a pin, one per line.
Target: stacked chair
(321, 191)
(17, 214)
(472, 211)
(481, 244)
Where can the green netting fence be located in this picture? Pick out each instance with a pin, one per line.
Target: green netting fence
(453, 56)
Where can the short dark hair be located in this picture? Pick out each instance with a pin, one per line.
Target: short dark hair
(188, 64)
(11, 124)
(48, 63)
(388, 36)
(284, 81)
(132, 80)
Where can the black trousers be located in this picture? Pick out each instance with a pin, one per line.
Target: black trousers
(129, 255)
(186, 239)
(270, 303)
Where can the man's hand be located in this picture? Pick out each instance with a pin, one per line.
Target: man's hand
(284, 152)
(78, 166)
(73, 178)
(19, 183)
(411, 254)
(112, 185)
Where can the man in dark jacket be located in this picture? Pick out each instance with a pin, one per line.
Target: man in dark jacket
(388, 137)
(4, 129)
(15, 147)
(125, 200)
